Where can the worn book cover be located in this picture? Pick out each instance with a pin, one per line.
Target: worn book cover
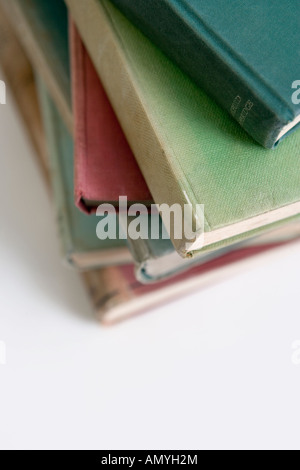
(244, 54)
(114, 291)
(19, 78)
(157, 260)
(118, 296)
(190, 152)
(105, 167)
(81, 246)
(42, 29)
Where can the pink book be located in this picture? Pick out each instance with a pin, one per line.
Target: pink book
(105, 167)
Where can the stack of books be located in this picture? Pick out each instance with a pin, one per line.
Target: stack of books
(166, 131)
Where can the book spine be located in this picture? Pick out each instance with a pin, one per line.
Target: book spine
(202, 56)
(20, 79)
(78, 87)
(34, 37)
(52, 132)
(111, 289)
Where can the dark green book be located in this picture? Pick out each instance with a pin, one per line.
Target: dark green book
(189, 150)
(245, 54)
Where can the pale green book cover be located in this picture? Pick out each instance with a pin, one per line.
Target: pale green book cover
(81, 246)
(157, 260)
(189, 151)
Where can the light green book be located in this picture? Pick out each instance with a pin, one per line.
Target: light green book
(157, 260)
(81, 247)
(189, 150)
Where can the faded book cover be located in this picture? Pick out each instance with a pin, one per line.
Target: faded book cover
(244, 54)
(105, 167)
(81, 246)
(189, 150)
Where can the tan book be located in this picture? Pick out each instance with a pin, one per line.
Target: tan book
(19, 78)
(42, 29)
(118, 296)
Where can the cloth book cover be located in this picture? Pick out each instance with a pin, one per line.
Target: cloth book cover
(81, 247)
(245, 54)
(105, 167)
(157, 260)
(189, 150)
(114, 291)
(117, 295)
(42, 28)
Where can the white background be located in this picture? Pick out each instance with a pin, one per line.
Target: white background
(212, 371)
